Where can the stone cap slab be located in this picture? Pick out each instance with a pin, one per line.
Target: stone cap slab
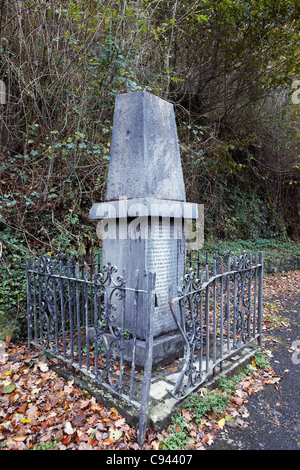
(143, 207)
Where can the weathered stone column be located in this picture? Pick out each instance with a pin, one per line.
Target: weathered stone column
(144, 213)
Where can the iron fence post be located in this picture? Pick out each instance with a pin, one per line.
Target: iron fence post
(148, 362)
(260, 292)
(29, 319)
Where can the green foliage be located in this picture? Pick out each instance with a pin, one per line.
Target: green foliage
(206, 403)
(48, 445)
(178, 437)
(228, 385)
(12, 286)
(261, 360)
(272, 248)
(227, 66)
(214, 401)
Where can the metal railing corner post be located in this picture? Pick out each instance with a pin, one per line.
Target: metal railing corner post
(29, 308)
(148, 361)
(260, 297)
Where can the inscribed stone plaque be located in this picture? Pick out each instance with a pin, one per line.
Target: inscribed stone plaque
(165, 257)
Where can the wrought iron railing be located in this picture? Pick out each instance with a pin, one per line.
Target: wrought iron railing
(77, 313)
(219, 315)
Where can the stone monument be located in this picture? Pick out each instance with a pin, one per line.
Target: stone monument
(144, 214)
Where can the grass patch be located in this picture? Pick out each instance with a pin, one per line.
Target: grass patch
(261, 360)
(178, 437)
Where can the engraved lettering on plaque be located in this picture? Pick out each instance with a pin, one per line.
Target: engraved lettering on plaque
(162, 259)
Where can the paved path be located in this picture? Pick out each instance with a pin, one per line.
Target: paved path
(274, 415)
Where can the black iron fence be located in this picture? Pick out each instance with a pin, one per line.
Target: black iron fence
(72, 315)
(220, 314)
(76, 312)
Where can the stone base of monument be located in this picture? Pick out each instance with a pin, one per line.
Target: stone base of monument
(166, 348)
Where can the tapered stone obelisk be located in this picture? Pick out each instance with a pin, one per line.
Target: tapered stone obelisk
(144, 213)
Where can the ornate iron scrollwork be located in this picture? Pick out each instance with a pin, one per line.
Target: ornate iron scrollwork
(108, 332)
(191, 329)
(242, 307)
(206, 308)
(48, 312)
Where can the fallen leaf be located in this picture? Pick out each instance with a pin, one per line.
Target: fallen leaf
(43, 366)
(187, 414)
(68, 428)
(84, 446)
(221, 422)
(20, 438)
(241, 423)
(208, 439)
(172, 368)
(108, 442)
(84, 404)
(32, 412)
(66, 440)
(22, 408)
(114, 410)
(244, 412)
(44, 424)
(240, 394)
(9, 388)
(237, 400)
(120, 422)
(155, 445)
(229, 418)
(79, 420)
(115, 434)
(7, 341)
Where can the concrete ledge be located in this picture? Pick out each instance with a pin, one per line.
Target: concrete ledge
(160, 415)
(162, 404)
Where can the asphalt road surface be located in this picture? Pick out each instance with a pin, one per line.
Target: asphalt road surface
(274, 415)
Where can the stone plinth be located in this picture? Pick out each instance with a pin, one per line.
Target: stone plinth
(148, 236)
